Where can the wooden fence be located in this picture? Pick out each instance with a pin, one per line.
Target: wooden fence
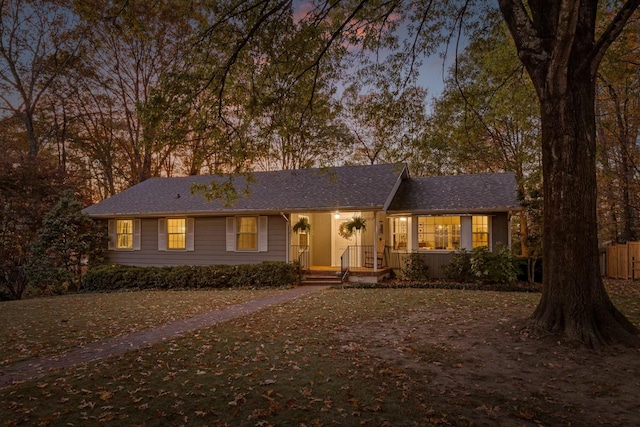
(623, 261)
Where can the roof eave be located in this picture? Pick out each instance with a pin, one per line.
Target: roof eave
(230, 212)
(459, 211)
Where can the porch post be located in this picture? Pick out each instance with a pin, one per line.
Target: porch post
(375, 242)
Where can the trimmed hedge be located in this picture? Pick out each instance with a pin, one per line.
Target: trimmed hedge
(412, 284)
(121, 277)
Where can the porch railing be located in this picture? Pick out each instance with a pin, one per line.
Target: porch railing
(362, 256)
(344, 264)
(300, 254)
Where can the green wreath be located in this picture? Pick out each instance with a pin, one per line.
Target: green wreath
(344, 231)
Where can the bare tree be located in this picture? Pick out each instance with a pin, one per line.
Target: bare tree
(37, 43)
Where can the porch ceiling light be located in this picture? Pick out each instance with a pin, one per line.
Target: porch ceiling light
(403, 218)
(336, 215)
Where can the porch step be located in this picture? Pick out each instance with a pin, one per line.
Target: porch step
(320, 280)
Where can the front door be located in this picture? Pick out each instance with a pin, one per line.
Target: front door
(340, 244)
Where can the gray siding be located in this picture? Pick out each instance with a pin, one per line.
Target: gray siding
(499, 229)
(209, 246)
(435, 260)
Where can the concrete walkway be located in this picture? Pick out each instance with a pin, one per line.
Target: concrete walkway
(34, 368)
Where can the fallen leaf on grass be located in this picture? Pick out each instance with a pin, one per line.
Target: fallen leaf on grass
(105, 395)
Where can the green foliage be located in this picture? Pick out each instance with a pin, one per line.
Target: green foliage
(120, 277)
(347, 228)
(484, 121)
(482, 266)
(493, 267)
(389, 122)
(459, 267)
(224, 190)
(68, 243)
(28, 189)
(415, 268)
(302, 225)
(355, 223)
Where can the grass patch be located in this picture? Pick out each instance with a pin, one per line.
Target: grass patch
(45, 326)
(347, 357)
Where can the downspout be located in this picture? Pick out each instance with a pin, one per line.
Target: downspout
(287, 238)
(509, 229)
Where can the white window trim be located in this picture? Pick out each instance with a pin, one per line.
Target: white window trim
(408, 233)
(263, 234)
(113, 235)
(189, 235)
(414, 230)
(489, 231)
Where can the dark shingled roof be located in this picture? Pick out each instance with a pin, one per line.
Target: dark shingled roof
(347, 187)
(457, 194)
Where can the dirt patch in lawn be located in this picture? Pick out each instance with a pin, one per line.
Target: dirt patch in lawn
(485, 367)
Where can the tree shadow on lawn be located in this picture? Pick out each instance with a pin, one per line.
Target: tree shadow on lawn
(484, 365)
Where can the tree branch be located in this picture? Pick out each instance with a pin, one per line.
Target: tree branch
(565, 31)
(240, 45)
(611, 33)
(527, 39)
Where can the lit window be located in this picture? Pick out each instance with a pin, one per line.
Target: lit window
(176, 233)
(303, 239)
(124, 234)
(480, 231)
(247, 233)
(399, 233)
(439, 232)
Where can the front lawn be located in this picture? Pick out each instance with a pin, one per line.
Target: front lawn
(47, 326)
(351, 357)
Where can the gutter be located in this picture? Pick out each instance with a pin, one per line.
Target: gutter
(287, 238)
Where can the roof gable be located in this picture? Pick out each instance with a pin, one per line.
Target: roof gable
(344, 188)
(457, 194)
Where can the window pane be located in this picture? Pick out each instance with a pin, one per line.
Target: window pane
(176, 225)
(439, 232)
(125, 241)
(247, 234)
(399, 233)
(124, 234)
(176, 241)
(247, 242)
(480, 231)
(176, 233)
(247, 225)
(125, 226)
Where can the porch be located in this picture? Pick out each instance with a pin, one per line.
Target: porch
(358, 263)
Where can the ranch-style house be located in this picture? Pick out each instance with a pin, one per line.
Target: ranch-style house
(159, 222)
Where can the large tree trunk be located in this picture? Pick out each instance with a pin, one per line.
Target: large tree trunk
(34, 146)
(574, 301)
(556, 43)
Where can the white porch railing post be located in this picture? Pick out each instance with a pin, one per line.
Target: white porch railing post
(375, 242)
